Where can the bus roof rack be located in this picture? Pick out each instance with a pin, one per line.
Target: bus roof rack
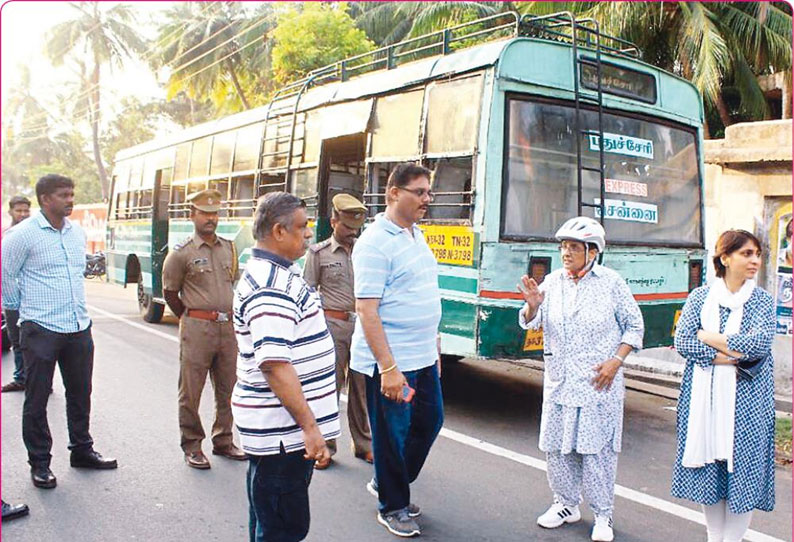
(562, 27)
(566, 28)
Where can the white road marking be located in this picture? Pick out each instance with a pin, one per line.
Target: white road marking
(523, 459)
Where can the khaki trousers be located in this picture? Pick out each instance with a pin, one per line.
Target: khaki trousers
(355, 385)
(206, 347)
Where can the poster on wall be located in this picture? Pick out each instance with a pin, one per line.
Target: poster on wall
(783, 263)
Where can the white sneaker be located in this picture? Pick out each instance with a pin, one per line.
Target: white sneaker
(602, 530)
(557, 514)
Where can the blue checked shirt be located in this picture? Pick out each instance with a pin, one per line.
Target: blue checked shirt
(43, 274)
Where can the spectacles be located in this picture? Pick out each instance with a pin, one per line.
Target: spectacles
(419, 192)
(572, 248)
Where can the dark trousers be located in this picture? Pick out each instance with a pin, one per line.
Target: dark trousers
(12, 319)
(74, 353)
(278, 497)
(402, 434)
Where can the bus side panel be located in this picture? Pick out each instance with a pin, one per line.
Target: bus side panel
(458, 327)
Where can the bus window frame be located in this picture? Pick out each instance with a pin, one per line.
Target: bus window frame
(528, 97)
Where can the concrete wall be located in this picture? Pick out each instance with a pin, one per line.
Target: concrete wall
(747, 180)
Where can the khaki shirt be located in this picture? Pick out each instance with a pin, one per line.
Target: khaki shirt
(329, 269)
(203, 274)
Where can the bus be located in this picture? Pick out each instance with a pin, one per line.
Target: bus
(524, 121)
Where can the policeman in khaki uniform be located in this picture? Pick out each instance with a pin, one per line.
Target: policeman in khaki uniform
(329, 269)
(198, 278)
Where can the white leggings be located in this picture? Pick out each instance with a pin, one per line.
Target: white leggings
(722, 525)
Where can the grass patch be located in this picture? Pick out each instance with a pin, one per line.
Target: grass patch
(783, 440)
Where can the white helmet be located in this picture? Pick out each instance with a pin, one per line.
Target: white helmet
(583, 229)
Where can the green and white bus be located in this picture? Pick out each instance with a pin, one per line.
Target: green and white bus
(524, 121)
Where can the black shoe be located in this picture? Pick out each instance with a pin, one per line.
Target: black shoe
(14, 385)
(92, 460)
(43, 477)
(13, 511)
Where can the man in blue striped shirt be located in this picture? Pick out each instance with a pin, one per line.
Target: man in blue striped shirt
(284, 402)
(395, 343)
(43, 263)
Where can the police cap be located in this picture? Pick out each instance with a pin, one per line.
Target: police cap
(352, 213)
(208, 200)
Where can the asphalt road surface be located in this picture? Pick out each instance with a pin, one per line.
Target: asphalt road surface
(484, 479)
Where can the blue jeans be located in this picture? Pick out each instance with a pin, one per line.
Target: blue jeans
(402, 434)
(278, 497)
(12, 320)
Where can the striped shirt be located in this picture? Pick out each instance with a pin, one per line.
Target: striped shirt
(43, 274)
(395, 265)
(278, 318)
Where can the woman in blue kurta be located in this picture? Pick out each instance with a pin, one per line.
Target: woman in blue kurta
(730, 489)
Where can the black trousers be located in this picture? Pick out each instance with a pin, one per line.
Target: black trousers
(74, 353)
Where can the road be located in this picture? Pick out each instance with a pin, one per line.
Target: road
(484, 479)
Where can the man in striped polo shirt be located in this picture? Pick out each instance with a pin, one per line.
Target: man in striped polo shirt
(395, 343)
(284, 402)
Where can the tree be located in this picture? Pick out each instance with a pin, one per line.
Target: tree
(312, 36)
(209, 60)
(390, 22)
(95, 38)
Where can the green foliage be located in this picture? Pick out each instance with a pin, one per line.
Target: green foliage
(217, 53)
(317, 35)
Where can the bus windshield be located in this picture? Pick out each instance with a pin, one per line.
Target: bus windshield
(652, 188)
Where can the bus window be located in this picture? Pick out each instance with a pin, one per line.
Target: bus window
(199, 157)
(135, 174)
(311, 144)
(180, 164)
(452, 185)
(194, 187)
(222, 186)
(145, 202)
(222, 149)
(395, 125)
(453, 109)
(304, 183)
(270, 183)
(242, 200)
(375, 196)
(177, 208)
(246, 152)
(652, 187)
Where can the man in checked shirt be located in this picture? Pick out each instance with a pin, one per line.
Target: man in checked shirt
(43, 263)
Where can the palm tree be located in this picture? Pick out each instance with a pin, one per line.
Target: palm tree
(207, 61)
(96, 38)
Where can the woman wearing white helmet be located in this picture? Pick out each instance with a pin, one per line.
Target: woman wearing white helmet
(590, 323)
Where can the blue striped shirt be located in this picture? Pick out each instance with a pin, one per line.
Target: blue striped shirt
(395, 265)
(43, 274)
(278, 318)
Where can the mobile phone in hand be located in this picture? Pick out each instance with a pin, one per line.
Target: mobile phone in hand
(408, 393)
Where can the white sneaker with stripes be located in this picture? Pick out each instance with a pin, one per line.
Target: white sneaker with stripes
(602, 529)
(558, 514)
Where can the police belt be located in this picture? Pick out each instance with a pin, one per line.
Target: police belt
(340, 315)
(214, 316)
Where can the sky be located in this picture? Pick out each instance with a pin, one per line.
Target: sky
(23, 29)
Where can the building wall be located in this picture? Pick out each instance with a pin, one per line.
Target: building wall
(748, 185)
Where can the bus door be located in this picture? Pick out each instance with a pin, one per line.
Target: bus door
(342, 168)
(162, 190)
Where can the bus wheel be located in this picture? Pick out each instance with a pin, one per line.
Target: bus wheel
(150, 310)
(449, 358)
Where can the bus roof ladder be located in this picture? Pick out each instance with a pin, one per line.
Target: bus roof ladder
(585, 33)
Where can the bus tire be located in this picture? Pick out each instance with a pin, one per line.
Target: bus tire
(450, 358)
(150, 310)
